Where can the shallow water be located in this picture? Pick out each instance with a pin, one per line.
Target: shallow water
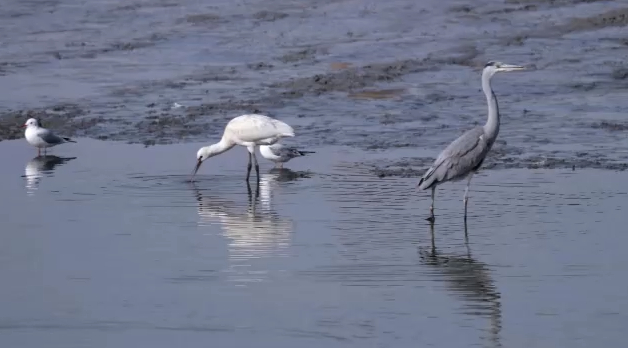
(119, 250)
(375, 75)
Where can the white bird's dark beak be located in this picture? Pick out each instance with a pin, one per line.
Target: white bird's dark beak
(198, 165)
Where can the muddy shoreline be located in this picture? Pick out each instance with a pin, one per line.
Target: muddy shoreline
(394, 93)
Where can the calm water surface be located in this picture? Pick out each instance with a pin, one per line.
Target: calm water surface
(120, 251)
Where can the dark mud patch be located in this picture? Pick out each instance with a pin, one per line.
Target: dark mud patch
(611, 126)
(613, 18)
(202, 19)
(361, 77)
(10, 67)
(469, 10)
(620, 74)
(525, 8)
(269, 16)
(306, 54)
(378, 94)
(340, 65)
(260, 66)
(461, 9)
(144, 5)
(348, 80)
(552, 3)
(228, 107)
(63, 119)
(83, 49)
(204, 76)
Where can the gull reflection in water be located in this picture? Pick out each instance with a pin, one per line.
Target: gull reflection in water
(40, 166)
(469, 280)
(252, 232)
(273, 181)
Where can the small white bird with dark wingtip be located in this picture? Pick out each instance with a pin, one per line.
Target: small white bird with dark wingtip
(280, 153)
(249, 131)
(42, 138)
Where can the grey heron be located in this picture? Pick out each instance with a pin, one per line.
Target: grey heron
(464, 156)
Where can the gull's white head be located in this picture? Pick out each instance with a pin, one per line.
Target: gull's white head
(31, 122)
(493, 67)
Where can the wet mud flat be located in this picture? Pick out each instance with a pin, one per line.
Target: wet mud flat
(381, 77)
(339, 258)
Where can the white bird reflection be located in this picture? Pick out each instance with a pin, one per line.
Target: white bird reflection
(254, 233)
(40, 166)
(469, 280)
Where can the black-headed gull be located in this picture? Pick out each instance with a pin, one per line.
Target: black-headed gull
(280, 153)
(249, 131)
(42, 138)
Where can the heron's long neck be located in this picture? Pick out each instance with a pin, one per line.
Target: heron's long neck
(491, 128)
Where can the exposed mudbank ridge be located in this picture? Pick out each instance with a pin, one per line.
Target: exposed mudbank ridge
(126, 114)
(172, 126)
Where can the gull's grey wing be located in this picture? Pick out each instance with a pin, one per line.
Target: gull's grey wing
(287, 152)
(460, 158)
(49, 137)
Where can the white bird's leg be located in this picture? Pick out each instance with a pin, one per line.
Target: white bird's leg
(38, 151)
(466, 194)
(432, 218)
(248, 168)
(280, 164)
(256, 165)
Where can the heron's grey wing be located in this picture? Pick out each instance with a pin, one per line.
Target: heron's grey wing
(49, 137)
(462, 156)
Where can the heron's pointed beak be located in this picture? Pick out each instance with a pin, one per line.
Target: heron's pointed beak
(511, 67)
(198, 165)
(23, 126)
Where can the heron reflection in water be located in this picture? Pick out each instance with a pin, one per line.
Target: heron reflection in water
(40, 166)
(253, 232)
(470, 281)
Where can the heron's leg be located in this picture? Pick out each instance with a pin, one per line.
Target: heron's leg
(248, 168)
(280, 164)
(38, 151)
(466, 194)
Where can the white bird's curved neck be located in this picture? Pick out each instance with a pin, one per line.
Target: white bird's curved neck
(491, 128)
(223, 145)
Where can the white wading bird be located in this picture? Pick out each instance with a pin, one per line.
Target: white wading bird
(249, 131)
(464, 156)
(42, 138)
(280, 153)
